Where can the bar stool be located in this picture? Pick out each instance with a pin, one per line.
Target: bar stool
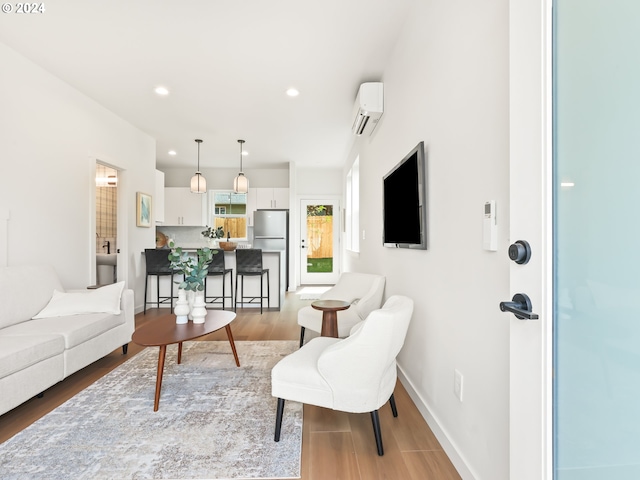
(158, 265)
(249, 263)
(217, 268)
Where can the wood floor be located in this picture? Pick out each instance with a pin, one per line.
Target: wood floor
(335, 445)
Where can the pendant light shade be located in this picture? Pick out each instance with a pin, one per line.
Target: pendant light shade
(241, 183)
(198, 182)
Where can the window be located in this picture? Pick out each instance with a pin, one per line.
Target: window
(229, 211)
(352, 217)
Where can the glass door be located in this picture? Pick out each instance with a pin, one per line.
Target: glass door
(597, 167)
(319, 237)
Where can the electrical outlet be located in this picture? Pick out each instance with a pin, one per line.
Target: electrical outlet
(457, 384)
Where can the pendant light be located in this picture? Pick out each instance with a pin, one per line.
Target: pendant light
(198, 182)
(241, 183)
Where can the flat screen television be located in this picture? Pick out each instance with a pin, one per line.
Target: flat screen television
(405, 202)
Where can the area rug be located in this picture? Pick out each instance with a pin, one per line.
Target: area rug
(215, 421)
(311, 293)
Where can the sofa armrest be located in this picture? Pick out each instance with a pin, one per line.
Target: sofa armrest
(126, 305)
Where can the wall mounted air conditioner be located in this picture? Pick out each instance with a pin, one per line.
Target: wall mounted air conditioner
(368, 108)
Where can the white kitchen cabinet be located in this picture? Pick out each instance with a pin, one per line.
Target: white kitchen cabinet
(181, 207)
(158, 199)
(252, 205)
(272, 198)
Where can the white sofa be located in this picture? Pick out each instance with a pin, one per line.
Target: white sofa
(35, 354)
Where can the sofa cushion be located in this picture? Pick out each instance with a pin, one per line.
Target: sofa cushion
(102, 300)
(18, 352)
(24, 291)
(75, 329)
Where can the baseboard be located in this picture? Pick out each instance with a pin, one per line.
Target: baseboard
(447, 445)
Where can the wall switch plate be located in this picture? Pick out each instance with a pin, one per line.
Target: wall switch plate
(457, 384)
(363, 234)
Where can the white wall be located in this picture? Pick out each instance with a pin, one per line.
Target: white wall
(447, 84)
(51, 136)
(318, 181)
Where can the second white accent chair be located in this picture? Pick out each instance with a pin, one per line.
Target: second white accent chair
(363, 290)
(357, 374)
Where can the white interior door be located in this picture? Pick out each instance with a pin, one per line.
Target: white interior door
(530, 219)
(319, 241)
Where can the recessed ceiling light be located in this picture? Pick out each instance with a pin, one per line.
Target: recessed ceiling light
(172, 152)
(292, 92)
(161, 91)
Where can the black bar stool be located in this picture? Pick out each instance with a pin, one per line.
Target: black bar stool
(249, 263)
(158, 265)
(217, 268)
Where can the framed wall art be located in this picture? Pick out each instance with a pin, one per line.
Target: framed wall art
(143, 209)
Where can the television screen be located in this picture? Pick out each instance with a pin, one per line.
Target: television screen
(404, 194)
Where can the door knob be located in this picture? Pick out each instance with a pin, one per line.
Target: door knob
(520, 306)
(520, 252)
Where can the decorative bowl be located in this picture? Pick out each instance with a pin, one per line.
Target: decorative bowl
(228, 246)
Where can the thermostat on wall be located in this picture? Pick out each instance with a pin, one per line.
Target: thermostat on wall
(490, 227)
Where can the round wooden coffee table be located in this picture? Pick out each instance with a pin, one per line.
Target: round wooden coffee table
(329, 315)
(164, 331)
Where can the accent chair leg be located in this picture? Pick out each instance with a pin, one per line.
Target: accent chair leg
(125, 348)
(279, 412)
(392, 402)
(301, 336)
(376, 431)
(268, 293)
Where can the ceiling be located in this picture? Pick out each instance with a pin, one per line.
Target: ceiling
(226, 64)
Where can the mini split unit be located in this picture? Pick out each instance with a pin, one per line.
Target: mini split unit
(368, 108)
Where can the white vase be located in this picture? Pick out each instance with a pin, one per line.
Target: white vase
(190, 301)
(212, 242)
(182, 307)
(199, 311)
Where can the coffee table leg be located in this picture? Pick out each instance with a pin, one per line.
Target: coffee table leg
(179, 353)
(233, 345)
(161, 355)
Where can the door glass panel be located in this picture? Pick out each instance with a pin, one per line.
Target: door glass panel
(319, 238)
(597, 284)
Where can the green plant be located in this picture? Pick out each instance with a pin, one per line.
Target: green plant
(193, 267)
(212, 232)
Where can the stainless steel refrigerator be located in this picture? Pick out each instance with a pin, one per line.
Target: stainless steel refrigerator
(271, 233)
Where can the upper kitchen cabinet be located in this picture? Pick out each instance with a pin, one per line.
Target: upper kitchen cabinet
(181, 207)
(272, 198)
(158, 199)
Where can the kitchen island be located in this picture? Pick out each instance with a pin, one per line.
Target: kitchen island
(274, 260)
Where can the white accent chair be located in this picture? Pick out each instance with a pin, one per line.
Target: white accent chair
(356, 374)
(363, 290)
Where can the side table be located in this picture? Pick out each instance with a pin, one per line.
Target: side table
(329, 310)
